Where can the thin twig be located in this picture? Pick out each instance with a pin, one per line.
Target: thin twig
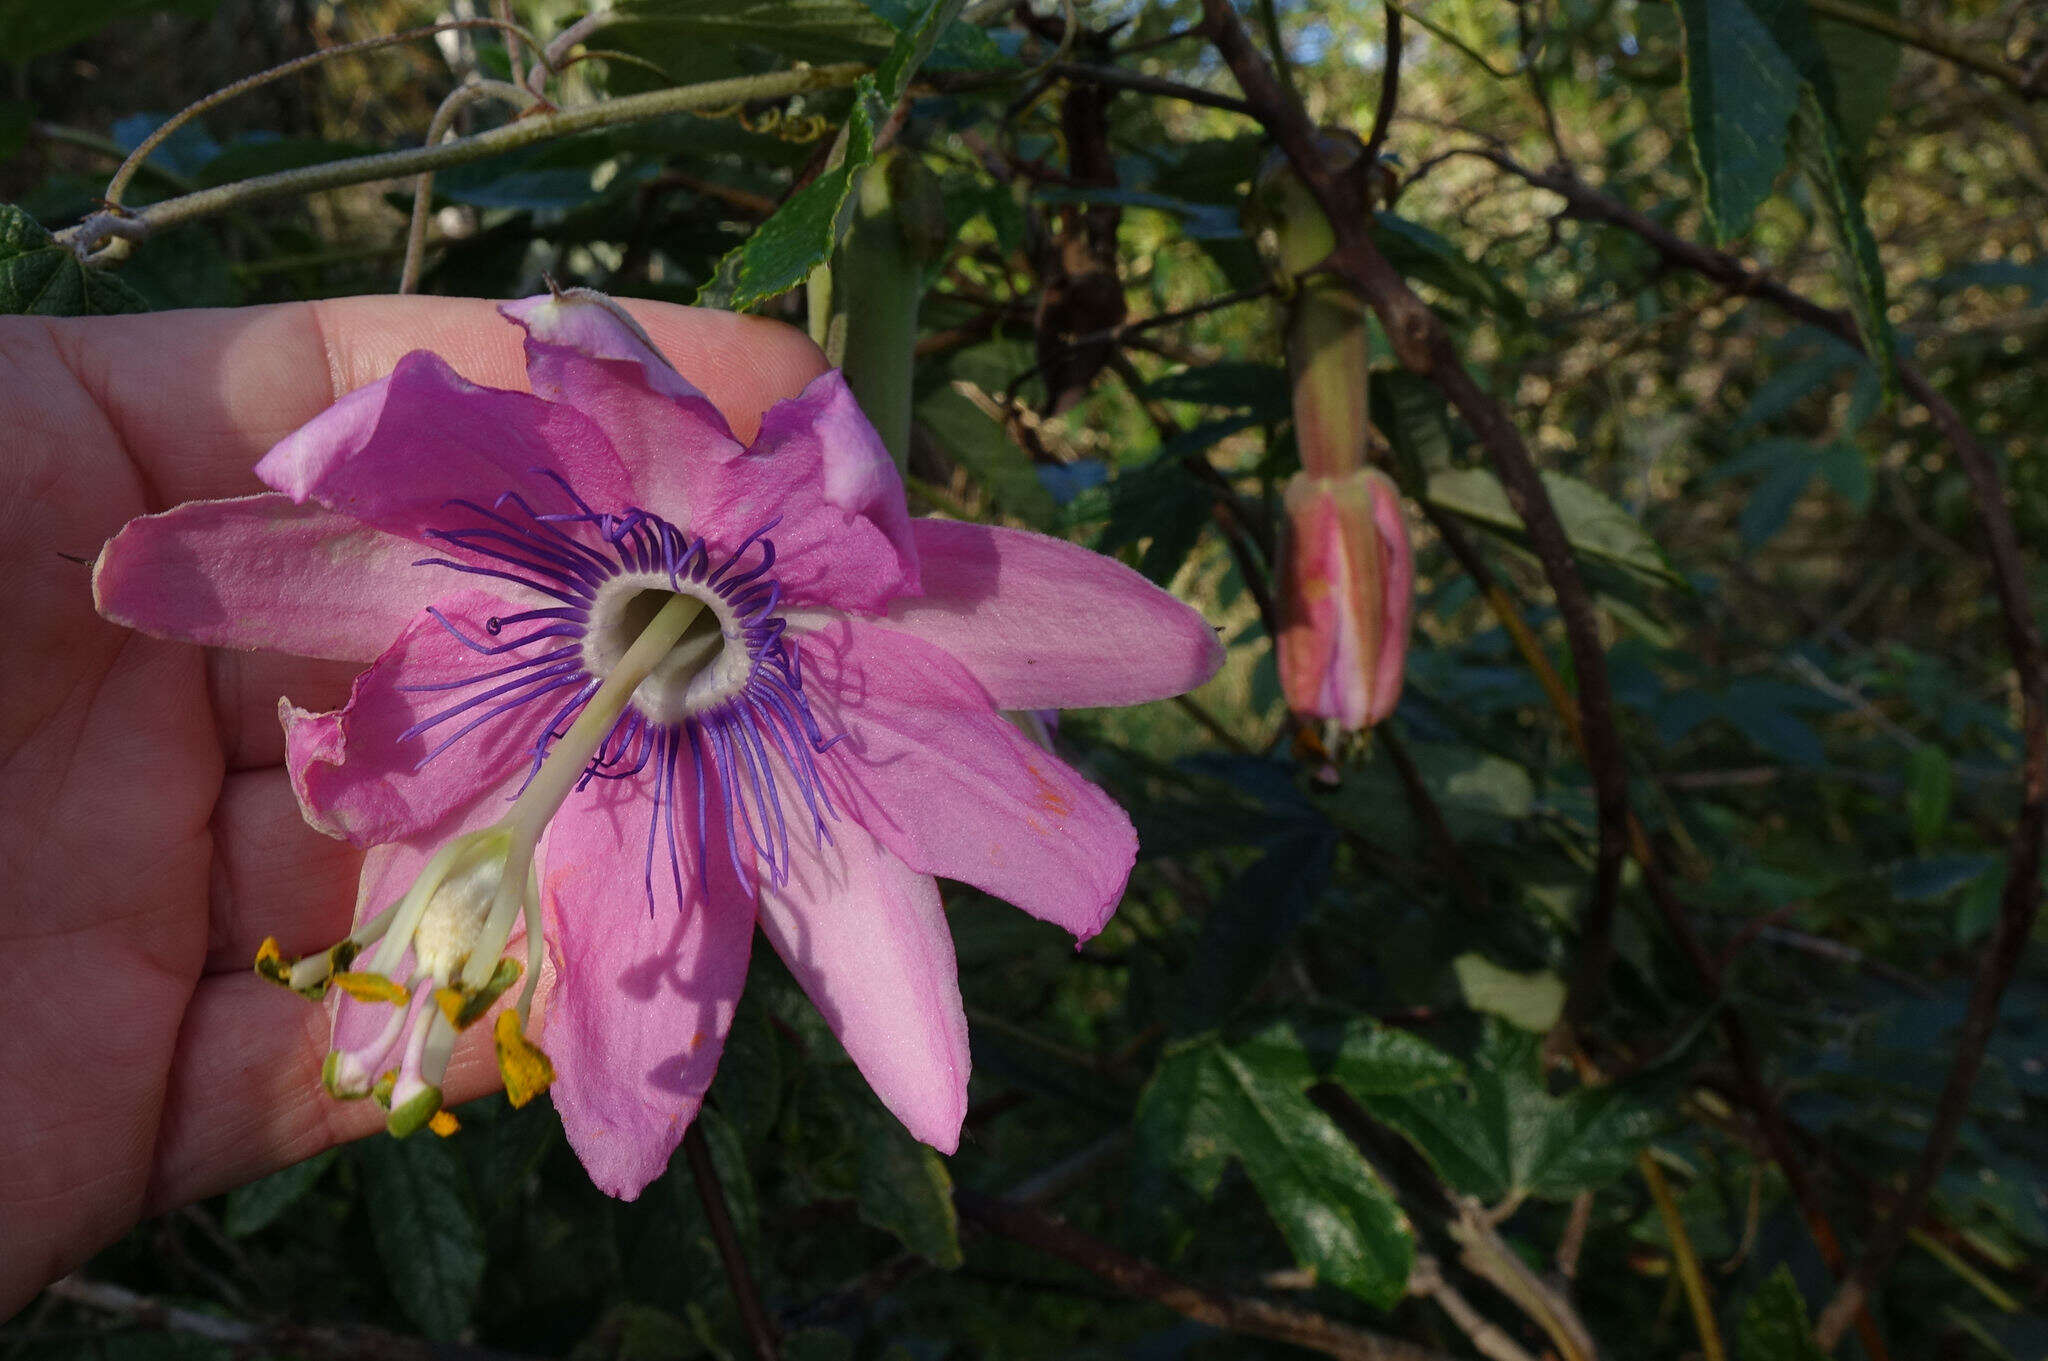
(1489, 1256)
(2020, 903)
(1423, 345)
(460, 98)
(1532, 67)
(119, 184)
(389, 165)
(564, 43)
(1150, 85)
(1241, 1314)
(249, 1337)
(1269, 19)
(515, 60)
(1698, 1297)
(1426, 811)
(2030, 85)
(1213, 725)
(1573, 1242)
(1488, 1338)
(1129, 330)
(745, 1297)
(1596, 949)
(1148, 44)
(1390, 90)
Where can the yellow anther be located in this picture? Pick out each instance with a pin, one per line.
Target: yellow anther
(526, 1069)
(464, 1008)
(270, 963)
(372, 987)
(444, 1123)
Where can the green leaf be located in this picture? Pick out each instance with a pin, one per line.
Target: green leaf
(917, 32)
(1412, 412)
(977, 442)
(1863, 65)
(1977, 906)
(1426, 257)
(693, 40)
(696, 40)
(1531, 1001)
(905, 1190)
(1250, 924)
(426, 1233)
(1741, 93)
(958, 46)
(1162, 506)
(258, 1205)
(1843, 464)
(1770, 503)
(1930, 789)
(784, 250)
(1594, 525)
(1838, 191)
(800, 235)
(39, 277)
(1208, 1105)
(1774, 1326)
(1240, 384)
(1502, 1134)
(1378, 1060)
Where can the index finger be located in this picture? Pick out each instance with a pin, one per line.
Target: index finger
(197, 397)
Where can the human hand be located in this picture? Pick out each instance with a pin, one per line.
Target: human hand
(149, 833)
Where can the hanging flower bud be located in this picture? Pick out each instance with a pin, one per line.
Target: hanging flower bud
(1325, 321)
(1347, 582)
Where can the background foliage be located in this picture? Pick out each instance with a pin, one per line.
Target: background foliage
(1318, 1066)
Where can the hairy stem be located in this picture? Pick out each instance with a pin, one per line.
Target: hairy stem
(496, 141)
(119, 184)
(460, 98)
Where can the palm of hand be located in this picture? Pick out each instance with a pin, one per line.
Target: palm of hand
(149, 831)
(134, 777)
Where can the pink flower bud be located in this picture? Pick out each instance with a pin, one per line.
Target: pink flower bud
(1347, 586)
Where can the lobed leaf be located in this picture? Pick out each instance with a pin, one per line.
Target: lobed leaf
(1209, 1104)
(41, 277)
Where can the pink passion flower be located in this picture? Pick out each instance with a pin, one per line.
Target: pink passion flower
(632, 689)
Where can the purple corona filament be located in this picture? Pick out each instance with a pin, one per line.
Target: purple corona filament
(730, 745)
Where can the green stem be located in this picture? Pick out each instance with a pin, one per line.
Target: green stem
(877, 283)
(1326, 367)
(494, 142)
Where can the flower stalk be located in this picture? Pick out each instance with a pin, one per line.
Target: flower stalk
(865, 306)
(1347, 571)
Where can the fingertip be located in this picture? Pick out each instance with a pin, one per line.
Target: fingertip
(744, 364)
